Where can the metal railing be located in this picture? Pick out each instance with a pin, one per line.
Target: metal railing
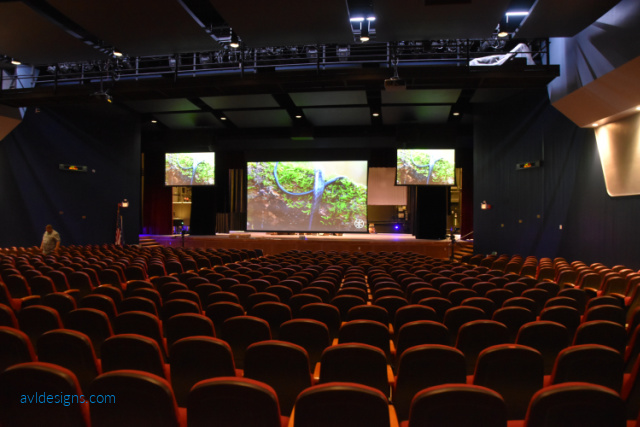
(456, 53)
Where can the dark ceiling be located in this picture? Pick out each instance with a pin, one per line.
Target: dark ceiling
(297, 58)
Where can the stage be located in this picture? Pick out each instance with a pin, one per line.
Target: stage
(274, 244)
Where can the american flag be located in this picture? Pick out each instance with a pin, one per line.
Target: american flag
(119, 228)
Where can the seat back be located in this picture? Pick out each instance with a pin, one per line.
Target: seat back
(514, 371)
(16, 348)
(24, 389)
(576, 404)
(549, 338)
(233, 402)
(241, 331)
(72, 350)
(91, 322)
(340, 404)
(132, 351)
(358, 363)
(424, 366)
(459, 405)
(282, 365)
(197, 358)
(592, 363)
(139, 398)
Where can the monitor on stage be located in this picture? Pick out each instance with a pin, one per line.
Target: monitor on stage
(425, 167)
(322, 196)
(189, 169)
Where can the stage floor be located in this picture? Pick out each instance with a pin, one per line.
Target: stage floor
(274, 244)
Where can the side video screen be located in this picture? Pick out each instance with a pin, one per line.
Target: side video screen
(324, 196)
(425, 167)
(187, 169)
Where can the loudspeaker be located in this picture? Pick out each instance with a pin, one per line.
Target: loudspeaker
(9, 119)
(431, 212)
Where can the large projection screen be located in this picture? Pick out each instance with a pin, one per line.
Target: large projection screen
(425, 167)
(323, 196)
(189, 169)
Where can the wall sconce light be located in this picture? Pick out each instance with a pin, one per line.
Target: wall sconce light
(124, 203)
(484, 205)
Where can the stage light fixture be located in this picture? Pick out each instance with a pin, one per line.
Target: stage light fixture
(234, 40)
(364, 33)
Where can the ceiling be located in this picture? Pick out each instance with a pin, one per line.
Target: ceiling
(299, 58)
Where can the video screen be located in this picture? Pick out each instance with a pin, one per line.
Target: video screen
(187, 169)
(327, 196)
(425, 167)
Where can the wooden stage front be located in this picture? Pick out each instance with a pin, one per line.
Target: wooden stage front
(274, 244)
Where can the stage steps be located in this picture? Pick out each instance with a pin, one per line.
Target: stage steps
(148, 242)
(463, 250)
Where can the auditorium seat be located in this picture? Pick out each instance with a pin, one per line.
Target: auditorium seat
(17, 286)
(91, 322)
(275, 313)
(187, 325)
(139, 303)
(297, 301)
(133, 351)
(602, 332)
(424, 366)
(341, 404)
(100, 302)
(455, 317)
(282, 365)
(569, 317)
(38, 319)
(111, 291)
(513, 318)
(16, 348)
(234, 402)
(549, 338)
(141, 399)
(82, 282)
(62, 302)
(240, 332)
(368, 332)
(514, 371)
(477, 335)
(358, 363)
(72, 350)
(21, 383)
(459, 405)
(218, 312)
(186, 295)
(576, 404)
(310, 334)
(592, 363)
(439, 304)
(411, 313)
(197, 358)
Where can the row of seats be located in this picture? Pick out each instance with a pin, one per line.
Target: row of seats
(516, 371)
(346, 269)
(132, 397)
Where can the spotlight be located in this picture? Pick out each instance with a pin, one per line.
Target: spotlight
(364, 33)
(15, 61)
(234, 40)
(116, 53)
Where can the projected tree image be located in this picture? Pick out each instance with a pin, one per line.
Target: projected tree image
(189, 169)
(307, 196)
(425, 167)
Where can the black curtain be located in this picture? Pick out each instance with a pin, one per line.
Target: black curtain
(203, 211)
(427, 207)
